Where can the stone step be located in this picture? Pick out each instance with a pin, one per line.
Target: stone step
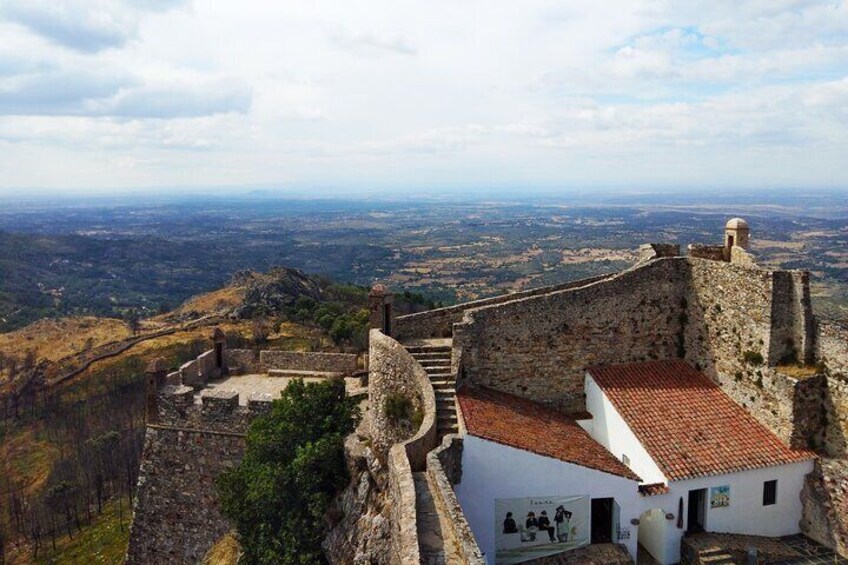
(435, 363)
(429, 348)
(443, 385)
(442, 376)
(430, 354)
(445, 393)
(444, 402)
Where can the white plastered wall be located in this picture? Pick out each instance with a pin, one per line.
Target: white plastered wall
(493, 471)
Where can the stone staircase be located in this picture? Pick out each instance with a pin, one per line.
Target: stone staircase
(435, 357)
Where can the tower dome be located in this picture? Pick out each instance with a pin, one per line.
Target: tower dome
(736, 233)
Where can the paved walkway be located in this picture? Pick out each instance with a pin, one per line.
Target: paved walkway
(436, 547)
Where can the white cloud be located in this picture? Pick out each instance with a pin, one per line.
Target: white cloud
(156, 92)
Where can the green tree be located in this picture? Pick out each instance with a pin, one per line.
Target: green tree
(293, 466)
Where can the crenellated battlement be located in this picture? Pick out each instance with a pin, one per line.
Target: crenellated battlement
(212, 409)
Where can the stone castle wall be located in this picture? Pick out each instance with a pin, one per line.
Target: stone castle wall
(832, 351)
(439, 322)
(540, 347)
(242, 361)
(739, 322)
(176, 517)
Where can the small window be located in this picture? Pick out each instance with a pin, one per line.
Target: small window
(625, 459)
(769, 493)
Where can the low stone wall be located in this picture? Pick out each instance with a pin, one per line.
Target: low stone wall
(197, 372)
(307, 361)
(402, 516)
(649, 251)
(242, 361)
(444, 469)
(439, 323)
(741, 256)
(711, 252)
(394, 371)
(176, 518)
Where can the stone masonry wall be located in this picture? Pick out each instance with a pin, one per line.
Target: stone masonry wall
(392, 370)
(444, 469)
(832, 350)
(241, 361)
(792, 329)
(439, 322)
(176, 517)
(402, 515)
(728, 335)
(540, 347)
(308, 361)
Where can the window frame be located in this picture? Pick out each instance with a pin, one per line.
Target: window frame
(772, 500)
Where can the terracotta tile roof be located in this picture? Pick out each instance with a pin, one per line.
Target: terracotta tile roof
(653, 489)
(688, 425)
(534, 427)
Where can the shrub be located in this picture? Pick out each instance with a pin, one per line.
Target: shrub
(753, 358)
(293, 467)
(397, 407)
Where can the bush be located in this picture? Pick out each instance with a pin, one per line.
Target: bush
(753, 358)
(293, 467)
(397, 408)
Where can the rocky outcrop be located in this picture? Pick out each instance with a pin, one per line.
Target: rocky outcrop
(271, 293)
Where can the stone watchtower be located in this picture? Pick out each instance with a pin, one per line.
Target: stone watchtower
(154, 379)
(380, 307)
(737, 233)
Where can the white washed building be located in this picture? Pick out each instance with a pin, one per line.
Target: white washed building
(661, 452)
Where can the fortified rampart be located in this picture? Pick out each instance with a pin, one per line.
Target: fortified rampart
(176, 517)
(539, 347)
(439, 322)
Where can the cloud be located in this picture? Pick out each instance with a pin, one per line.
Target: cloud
(81, 25)
(73, 24)
(634, 92)
(370, 44)
(172, 102)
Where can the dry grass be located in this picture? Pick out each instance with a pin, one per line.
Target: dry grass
(54, 339)
(798, 371)
(225, 552)
(216, 302)
(28, 459)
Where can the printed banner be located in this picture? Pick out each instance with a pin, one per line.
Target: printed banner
(529, 528)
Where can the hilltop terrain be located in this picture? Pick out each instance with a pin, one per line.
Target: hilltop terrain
(140, 259)
(72, 418)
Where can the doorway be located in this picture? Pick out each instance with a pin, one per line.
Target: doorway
(387, 319)
(696, 510)
(602, 520)
(219, 355)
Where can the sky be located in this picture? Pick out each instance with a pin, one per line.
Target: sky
(105, 95)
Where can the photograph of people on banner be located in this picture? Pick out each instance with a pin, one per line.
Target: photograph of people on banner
(529, 528)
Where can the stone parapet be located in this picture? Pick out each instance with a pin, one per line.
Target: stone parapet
(308, 361)
(444, 469)
(439, 323)
(393, 371)
(711, 252)
(212, 410)
(402, 517)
